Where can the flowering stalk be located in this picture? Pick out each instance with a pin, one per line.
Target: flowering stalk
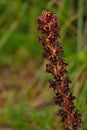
(57, 66)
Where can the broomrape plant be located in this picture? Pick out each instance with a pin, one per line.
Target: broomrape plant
(57, 66)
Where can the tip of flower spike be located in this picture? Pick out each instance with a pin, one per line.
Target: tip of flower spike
(47, 24)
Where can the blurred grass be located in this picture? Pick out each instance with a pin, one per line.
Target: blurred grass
(25, 100)
(80, 24)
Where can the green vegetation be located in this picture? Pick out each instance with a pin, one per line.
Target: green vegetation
(26, 101)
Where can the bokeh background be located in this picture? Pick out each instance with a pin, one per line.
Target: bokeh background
(26, 102)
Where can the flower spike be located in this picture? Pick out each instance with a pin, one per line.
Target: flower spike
(57, 66)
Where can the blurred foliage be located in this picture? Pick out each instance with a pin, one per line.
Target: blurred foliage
(25, 100)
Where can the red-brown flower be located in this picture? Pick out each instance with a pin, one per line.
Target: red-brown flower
(57, 66)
